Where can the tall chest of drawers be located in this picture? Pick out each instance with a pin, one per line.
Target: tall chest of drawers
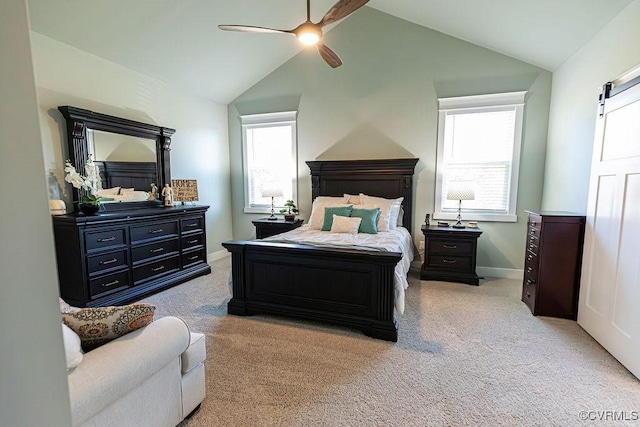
(119, 257)
(552, 264)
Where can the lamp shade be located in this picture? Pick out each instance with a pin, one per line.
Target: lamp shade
(271, 191)
(461, 190)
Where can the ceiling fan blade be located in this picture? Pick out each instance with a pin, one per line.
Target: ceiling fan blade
(328, 55)
(341, 10)
(251, 29)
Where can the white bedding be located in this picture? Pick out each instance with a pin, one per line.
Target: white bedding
(396, 240)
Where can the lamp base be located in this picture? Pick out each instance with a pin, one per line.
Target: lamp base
(458, 226)
(272, 218)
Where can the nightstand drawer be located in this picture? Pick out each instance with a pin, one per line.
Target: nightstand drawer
(450, 262)
(451, 247)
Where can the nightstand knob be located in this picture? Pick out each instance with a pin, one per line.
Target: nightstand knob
(449, 246)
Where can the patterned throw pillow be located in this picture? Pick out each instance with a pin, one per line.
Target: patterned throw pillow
(99, 325)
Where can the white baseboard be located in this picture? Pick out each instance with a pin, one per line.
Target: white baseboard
(500, 273)
(215, 256)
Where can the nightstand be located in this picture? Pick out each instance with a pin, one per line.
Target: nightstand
(267, 228)
(450, 254)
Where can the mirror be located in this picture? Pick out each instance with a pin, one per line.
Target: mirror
(130, 155)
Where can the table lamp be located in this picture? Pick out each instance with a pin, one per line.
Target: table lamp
(460, 190)
(271, 191)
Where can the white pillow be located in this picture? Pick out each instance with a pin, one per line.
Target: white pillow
(345, 224)
(72, 349)
(353, 198)
(108, 191)
(135, 196)
(126, 190)
(389, 210)
(316, 219)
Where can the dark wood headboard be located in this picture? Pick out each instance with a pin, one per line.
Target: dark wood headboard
(388, 178)
(137, 175)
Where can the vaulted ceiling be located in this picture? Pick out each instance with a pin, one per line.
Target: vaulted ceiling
(177, 41)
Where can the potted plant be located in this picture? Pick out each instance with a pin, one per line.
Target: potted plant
(290, 210)
(90, 203)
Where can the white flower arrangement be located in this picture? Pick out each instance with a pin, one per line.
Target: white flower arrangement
(91, 183)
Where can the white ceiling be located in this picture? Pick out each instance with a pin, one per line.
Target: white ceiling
(178, 41)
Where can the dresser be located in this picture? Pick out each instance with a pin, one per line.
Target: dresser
(267, 228)
(553, 259)
(119, 257)
(450, 254)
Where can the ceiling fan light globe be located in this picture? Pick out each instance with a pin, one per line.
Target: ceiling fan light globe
(309, 38)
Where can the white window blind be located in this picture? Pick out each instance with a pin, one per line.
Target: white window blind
(479, 141)
(269, 153)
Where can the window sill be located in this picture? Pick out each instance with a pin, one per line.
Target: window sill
(260, 210)
(470, 216)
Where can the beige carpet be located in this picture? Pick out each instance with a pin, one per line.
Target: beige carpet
(465, 355)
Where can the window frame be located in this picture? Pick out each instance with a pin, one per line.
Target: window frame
(264, 120)
(480, 103)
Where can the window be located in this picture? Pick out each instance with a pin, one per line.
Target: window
(479, 141)
(269, 153)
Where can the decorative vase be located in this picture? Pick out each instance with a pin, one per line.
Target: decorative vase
(89, 209)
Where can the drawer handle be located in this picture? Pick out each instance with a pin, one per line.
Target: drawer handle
(153, 251)
(529, 281)
(193, 257)
(159, 230)
(528, 295)
(529, 269)
(110, 261)
(532, 246)
(529, 257)
(158, 268)
(449, 261)
(108, 239)
(192, 241)
(106, 285)
(450, 247)
(195, 224)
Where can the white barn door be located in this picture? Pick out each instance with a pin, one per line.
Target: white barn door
(609, 307)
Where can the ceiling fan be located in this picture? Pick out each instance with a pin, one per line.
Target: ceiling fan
(309, 33)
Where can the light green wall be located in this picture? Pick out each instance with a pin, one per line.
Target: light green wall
(33, 375)
(382, 103)
(199, 148)
(576, 86)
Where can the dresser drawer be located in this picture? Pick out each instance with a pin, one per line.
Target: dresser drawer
(192, 241)
(450, 247)
(99, 263)
(193, 257)
(105, 239)
(157, 268)
(532, 246)
(103, 285)
(449, 262)
(189, 225)
(156, 249)
(533, 232)
(531, 269)
(529, 295)
(534, 221)
(154, 231)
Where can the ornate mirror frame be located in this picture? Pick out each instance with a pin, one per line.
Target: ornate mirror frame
(79, 120)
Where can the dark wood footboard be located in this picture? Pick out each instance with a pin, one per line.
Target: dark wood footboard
(345, 287)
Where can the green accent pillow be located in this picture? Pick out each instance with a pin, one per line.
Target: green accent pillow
(330, 211)
(369, 222)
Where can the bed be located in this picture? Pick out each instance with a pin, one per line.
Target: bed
(343, 286)
(136, 175)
